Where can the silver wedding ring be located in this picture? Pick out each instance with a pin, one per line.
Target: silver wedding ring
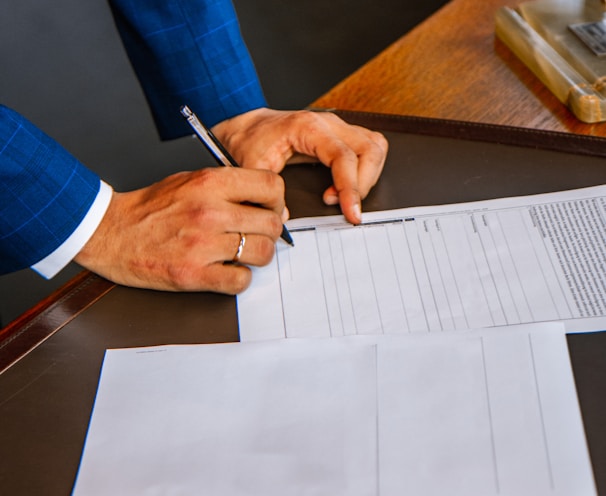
(238, 254)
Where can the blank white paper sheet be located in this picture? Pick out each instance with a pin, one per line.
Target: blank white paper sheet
(469, 413)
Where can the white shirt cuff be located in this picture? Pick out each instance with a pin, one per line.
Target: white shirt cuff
(50, 265)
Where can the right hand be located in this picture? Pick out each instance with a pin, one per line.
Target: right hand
(177, 234)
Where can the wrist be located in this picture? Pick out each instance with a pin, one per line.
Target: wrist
(97, 249)
(228, 127)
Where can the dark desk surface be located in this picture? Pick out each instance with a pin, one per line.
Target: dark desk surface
(46, 397)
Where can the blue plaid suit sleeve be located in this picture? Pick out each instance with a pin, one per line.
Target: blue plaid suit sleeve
(44, 193)
(183, 52)
(188, 52)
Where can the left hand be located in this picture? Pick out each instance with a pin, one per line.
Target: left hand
(268, 139)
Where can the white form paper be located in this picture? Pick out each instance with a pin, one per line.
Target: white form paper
(233, 420)
(470, 413)
(475, 265)
(493, 413)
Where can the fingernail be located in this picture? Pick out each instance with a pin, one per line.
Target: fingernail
(331, 199)
(357, 212)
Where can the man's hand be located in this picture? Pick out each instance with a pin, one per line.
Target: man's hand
(177, 234)
(268, 139)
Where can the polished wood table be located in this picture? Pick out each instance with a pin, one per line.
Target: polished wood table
(450, 67)
(453, 67)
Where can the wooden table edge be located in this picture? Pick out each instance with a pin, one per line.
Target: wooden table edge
(52, 313)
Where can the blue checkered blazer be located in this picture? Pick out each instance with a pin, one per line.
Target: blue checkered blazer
(183, 52)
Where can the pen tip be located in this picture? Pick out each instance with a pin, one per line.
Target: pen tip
(286, 236)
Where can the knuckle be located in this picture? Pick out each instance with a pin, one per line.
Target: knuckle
(181, 276)
(277, 182)
(309, 121)
(380, 140)
(207, 216)
(266, 250)
(272, 181)
(376, 144)
(241, 281)
(212, 178)
(202, 177)
(275, 225)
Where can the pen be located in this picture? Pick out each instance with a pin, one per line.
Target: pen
(214, 146)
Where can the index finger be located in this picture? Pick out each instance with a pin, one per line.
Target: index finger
(346, 187)
(356, 168)
(259, 187)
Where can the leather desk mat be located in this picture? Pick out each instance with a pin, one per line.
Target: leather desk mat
(47, 396)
